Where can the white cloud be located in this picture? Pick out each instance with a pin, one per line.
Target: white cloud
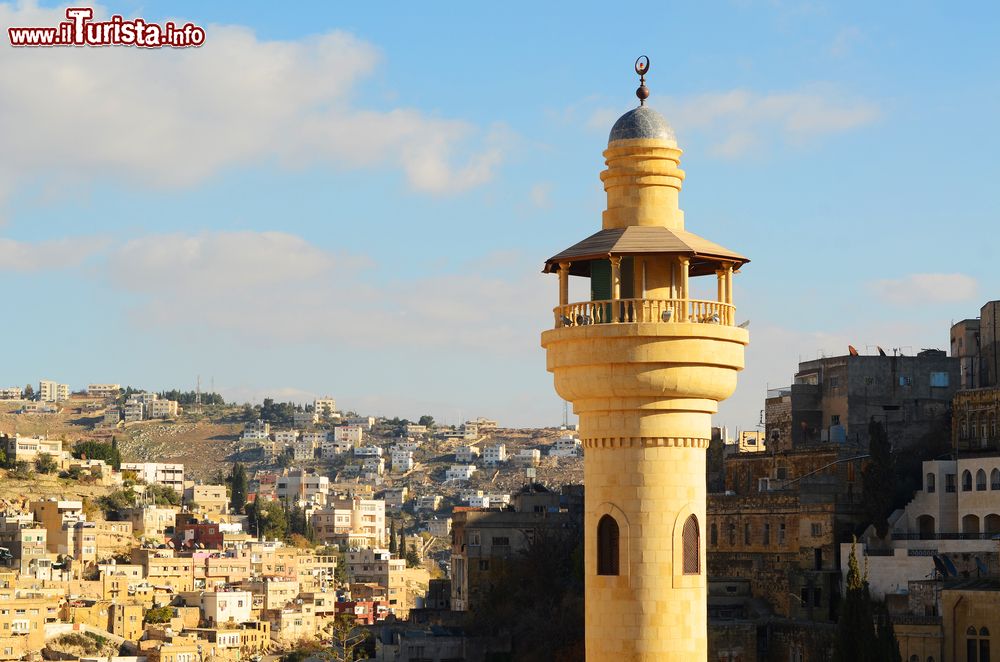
(540, 195)
(168, 118)
(844, 40)
(736, 122)
(740, 120)
(47, 255)
(272, 288)
(925, 288)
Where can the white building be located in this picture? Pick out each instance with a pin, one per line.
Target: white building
(470, 430)
(409, 445)
(413, 428)
(402, 461)
(956, 514)
(352, 433)
(395, 497)
(49, 391)
(104, 390)
(134, 411)
(566, 447)
(530, 456)
(286, 437)
(162, 409)
(357, 523)
(325, 407)
(495, 454)
(429, 502)
(365, 422)
(460, 472)
(467, 454)
(439, 526)
(12, 393)
(28, 449)
(368, 451)
(161, 473)
(256, 430)
(332, 447)
(302, 485)
(304, 448)
(373, 466)
(223, 606)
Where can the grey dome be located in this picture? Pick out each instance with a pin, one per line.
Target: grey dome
(641, 122)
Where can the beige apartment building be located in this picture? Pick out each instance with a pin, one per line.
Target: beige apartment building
(104, 390)
(351, 523)
(49, 391)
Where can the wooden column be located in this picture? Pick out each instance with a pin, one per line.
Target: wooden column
(563, 291)
(685, 293)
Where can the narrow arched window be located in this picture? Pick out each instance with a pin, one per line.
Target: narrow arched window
(966, 481)
(714, 535)
(980, 480)
(607, 546)
(995, 479)
(930, 483)
(692, 544)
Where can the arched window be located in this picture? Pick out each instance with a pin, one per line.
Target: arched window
(980, 480)
(977, 648)
(914, 658)
(607, 546)
(991, 523)
(714, 534)
(732, 533)
(929, 485)
(970, 524)
(692, 546)
(966, 481)
(995, 479)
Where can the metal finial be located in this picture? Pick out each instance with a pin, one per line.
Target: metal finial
(642, 68)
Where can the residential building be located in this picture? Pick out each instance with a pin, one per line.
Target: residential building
(134, 411)
(285, 437)
(365, 422)
(332, 447)
(467, 454)
(257, 429)
(367, 451)
(974, 421)
(160, 473)
(112, 417)
(834, 399)
(495, 454)
(427, 503)
(460, 472)
(27, 449)
(302, 485)
(106, 391)
(354, 434)
(395, 497)
(439, 526)
(210, 499)
(527, 456)
(325, 407)
(351, 523)
(303, 419)
(151, 521)
(12, 393)
(413, 429)
(304, 448)
(49, 391)
(566, 447)
(402, 461)
(162, 409)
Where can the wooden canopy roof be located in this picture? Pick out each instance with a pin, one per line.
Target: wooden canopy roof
(705, 256)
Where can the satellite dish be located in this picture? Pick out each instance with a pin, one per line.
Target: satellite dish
(939, 565)
(983, 570)
(951, 566)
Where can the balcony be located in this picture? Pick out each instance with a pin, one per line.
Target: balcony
(947, 536)
(641, 311)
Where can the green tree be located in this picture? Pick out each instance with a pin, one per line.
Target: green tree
(159, 615)
(427, 420)
(95, 450)
(239, 486)
(268, 519)
(392, 537)
(878, 479)
(340, 570)
(346, 637)
(45, 463)
(856, 638)
(29, 392)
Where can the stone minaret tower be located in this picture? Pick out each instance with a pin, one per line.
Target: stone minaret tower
(645, 366)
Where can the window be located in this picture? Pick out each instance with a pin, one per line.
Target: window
(966, 481)
(977, 645)
(714, 534)
(607, 546)
(501, 541)
(732, 534)
(939, 379)
(833, 382)
(995, 479)
(767, 533)
(835, 419)
(692, 543)
(817, 597)
(980, 481)
(949, 482)
(484, 564)
(781, 533)
(817, 530)
(746, 533)
(929, 483)
(905, 381)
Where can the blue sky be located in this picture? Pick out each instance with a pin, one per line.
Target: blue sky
(358, 203)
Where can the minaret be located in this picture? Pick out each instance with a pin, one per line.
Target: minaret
(645, 366)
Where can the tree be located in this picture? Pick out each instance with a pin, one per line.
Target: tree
(878, 479)
(29, 392)
(268, 518)
(95, 450)
(345, 639)
(239, 486)
(159, 615)
(340, 570)
(45, 463)
(427, 420)
(392, 537)
(856, 639)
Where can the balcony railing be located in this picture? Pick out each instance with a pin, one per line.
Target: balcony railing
(946, 536)
(630, 311)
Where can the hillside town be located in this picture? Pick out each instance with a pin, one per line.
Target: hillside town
(385, 538)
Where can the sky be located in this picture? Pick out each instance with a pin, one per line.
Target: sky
(345, 200)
